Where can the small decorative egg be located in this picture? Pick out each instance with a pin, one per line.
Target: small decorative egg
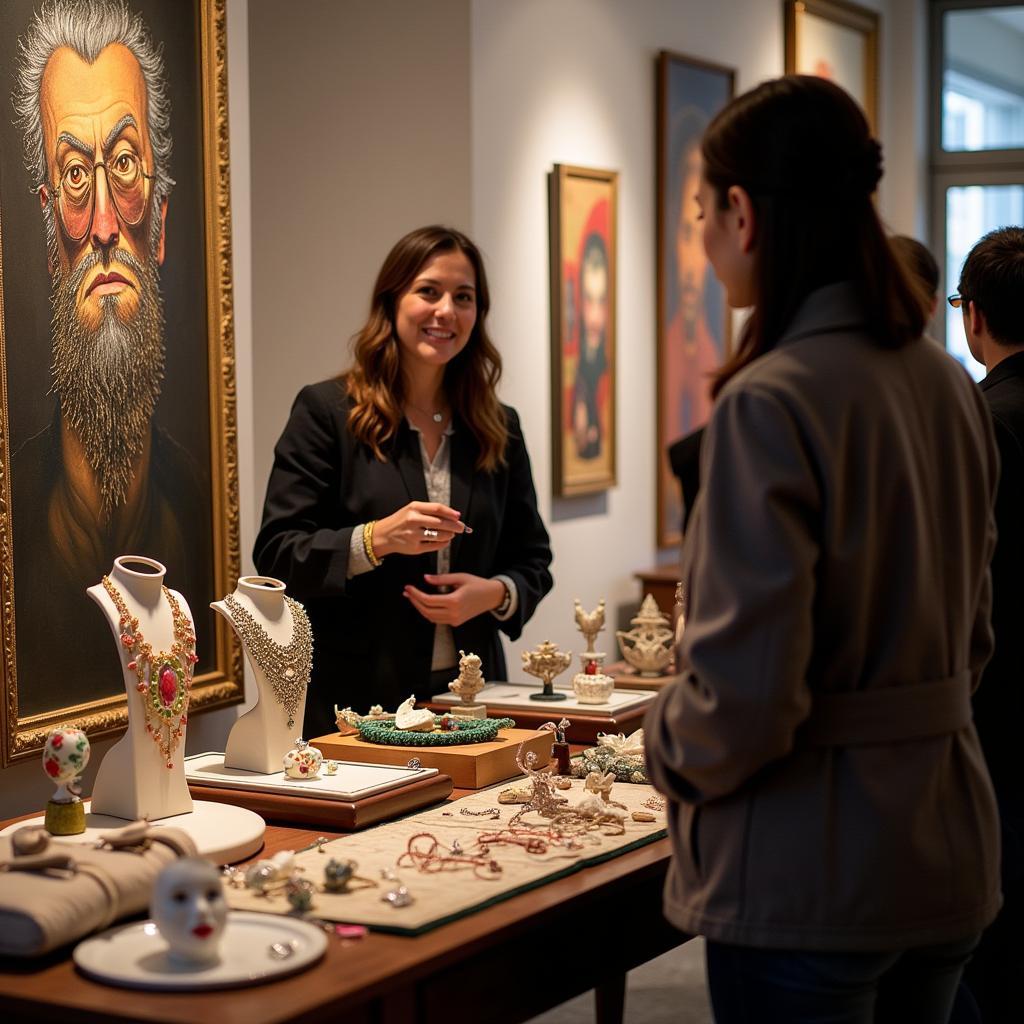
(303, 761)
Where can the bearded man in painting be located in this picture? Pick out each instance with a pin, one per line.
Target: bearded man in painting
(100, 479)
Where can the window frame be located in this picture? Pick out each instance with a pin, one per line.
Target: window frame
(950, 169)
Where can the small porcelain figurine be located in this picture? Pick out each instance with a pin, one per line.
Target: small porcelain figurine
(189, 909)
(408, 719)
(469, 683)
(649, 645)
(593, 687)
(65, 755)
(546, 662)
(303, 761)
(590, 623)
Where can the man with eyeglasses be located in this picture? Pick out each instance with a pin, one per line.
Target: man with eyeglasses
(990, 299)
(101, 479)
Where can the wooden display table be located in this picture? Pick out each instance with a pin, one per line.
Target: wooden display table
(461, 973)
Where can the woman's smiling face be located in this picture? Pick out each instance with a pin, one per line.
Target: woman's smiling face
(435, 315)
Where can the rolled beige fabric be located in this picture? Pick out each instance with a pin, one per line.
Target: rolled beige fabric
(52, 892)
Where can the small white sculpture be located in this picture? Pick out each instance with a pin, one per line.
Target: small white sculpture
(593, 687)
(469, 683)
(408, 719)
(346, 717)
(303, 761)
(589, 623)
(189, 909)
(623, 746)
(649, 645)
(545, 662)
(600, 785)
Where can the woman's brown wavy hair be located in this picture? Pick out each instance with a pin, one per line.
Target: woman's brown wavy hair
(802, 149)
(374, 383)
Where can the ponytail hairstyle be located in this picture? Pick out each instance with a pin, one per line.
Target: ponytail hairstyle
(801, 148)
(375, 384)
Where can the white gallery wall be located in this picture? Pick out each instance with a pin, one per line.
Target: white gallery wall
(573, 82)
(353, 122)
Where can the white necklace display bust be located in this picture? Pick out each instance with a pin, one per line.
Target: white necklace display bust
(134, 780)
(275, 635)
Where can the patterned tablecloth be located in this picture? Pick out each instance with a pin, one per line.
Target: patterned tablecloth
(443, 892)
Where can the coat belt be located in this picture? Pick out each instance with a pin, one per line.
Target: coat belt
(890, 714)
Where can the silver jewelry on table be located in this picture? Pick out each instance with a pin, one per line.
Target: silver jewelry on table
(287, 666)
(487, 812)
(299, 892)
(414, 762)
(282, 950)
(429, 533)
(397, 897)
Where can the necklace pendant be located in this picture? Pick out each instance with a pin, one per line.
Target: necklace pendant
(437, 417)
(291, 721)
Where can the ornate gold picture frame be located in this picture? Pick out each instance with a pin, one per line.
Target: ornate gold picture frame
(837, 40)
(112, 442)
(583, 241)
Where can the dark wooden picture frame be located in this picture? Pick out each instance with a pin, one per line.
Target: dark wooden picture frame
(847, 25)
(693, 318)
(583, 244)
(59, 661)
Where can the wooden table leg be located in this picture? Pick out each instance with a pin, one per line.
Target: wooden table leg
(610, 1000)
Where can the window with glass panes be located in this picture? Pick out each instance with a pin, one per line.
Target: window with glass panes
(977, 135)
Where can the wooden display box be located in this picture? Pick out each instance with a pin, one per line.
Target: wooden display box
(341, 815)
(470, 765)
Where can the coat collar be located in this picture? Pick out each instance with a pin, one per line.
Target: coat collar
(1011, 366)
(827, 310)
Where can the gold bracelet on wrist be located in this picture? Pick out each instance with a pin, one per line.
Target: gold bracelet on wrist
(368, 543)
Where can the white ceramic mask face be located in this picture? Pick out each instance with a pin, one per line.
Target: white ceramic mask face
(189, 909)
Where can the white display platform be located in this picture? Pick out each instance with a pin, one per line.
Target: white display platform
(135, 955)
(516, 696)
(352, 782)
(222, 833)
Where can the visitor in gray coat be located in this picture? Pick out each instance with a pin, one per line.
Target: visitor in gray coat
(834, 826)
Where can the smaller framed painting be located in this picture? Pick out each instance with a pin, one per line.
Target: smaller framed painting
(583, 261)
(837, 40)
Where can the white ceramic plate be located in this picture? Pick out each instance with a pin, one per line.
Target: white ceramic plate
(135, 956)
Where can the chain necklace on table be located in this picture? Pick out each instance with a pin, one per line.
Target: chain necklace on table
(287, 666)
(164, 678)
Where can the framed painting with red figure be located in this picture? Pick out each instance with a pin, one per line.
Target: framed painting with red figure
(693, 320)
(837, 40)
(583, 260)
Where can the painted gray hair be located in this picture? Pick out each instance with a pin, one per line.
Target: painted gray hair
(88, 27)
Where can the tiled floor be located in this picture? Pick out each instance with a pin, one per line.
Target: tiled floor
(668, 990)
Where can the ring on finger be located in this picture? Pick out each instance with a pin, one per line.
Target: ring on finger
(429, 533)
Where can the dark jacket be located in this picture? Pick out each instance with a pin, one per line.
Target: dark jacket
(999, 701)
(370, 645)
(827, 789)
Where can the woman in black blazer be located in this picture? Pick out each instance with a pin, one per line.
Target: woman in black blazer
(401, 508)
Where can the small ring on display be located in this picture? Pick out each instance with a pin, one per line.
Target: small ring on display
(429, 533)
(468, 731)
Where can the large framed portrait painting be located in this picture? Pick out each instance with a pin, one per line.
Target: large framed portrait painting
(583, 258)
(693, 322)
(117, 422)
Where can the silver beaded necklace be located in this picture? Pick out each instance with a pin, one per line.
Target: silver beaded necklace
(287, 666)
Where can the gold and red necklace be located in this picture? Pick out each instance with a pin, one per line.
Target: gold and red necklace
(164, 678)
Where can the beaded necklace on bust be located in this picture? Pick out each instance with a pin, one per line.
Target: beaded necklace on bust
(164, 678)
(287, 666)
